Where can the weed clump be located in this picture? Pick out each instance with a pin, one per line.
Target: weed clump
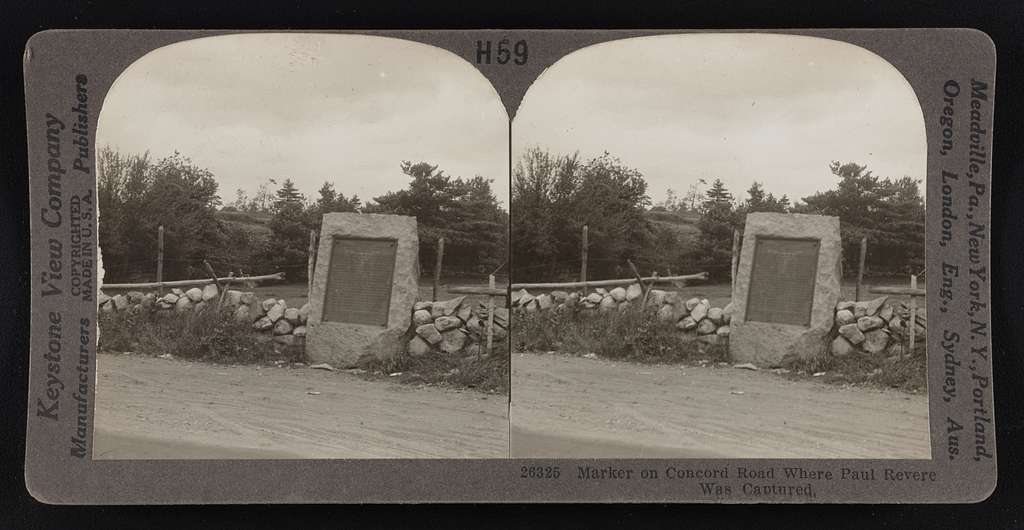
(624, 335)
(205, 335)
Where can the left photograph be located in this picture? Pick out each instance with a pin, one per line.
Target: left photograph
(303, 245)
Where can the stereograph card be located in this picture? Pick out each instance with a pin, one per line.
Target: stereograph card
(510, 266)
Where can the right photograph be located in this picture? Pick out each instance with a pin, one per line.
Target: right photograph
(718, 251)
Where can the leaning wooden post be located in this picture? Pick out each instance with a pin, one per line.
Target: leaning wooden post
(860, 268)
(913, 312)
(583, 258)
(437, 266)
(310, 262)
(160, 259)
(490, 317)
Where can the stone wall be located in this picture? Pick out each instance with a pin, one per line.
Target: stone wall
(287, 325)
(453, 327)
(875, 327)
(692, 315)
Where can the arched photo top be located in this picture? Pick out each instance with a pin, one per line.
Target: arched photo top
(310, 107)
(740, 107)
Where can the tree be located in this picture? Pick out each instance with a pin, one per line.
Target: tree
(713, 252)
(554, 196)
(890, 213)
(464, 212)
(695, 195)
(288, 193)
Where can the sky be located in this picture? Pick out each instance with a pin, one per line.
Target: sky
(740, 107)
(342, 108)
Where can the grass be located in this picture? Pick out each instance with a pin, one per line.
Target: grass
(908, 373)
(636, 336)
(207, 335)
(487, 373)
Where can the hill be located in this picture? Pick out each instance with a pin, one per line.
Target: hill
(255, 224)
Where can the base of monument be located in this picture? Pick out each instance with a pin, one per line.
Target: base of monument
(349, 345)
(766, 345)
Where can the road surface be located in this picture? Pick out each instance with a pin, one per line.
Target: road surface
(155, 408)
(565, 406)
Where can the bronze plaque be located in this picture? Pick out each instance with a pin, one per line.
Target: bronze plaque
(782, 281)
(359, 279)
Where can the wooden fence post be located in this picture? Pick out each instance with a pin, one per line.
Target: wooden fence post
(913, 312)
(860, 268)
(490, 317)
(583, 257)
(160, 259)
(437, 266)
(310, 262)
(735, 259)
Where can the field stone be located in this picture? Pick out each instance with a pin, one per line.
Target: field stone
(572, 299)
(871, 307)
(268, 303)
(262, 324)
(655, 297)
(559, 297)
(299, 331)
(248, 298)
(544, 301)
(120, 302)
(286, 339)
(421, 316)
(195, 294)
(292, 316)
(727, 312)
(530, 307)
(134, 297)
(452, 341)
(723, 331)
(847, 305)
(618, 294)
(841, 347)
(518, 295)
(852, 333)
(107, 307)
(417, 346)
(869, 323)
(601, 291)
(844, 317)
(199, 306)
(170, 298)
(875, 341)
(699, 311)
(276, 312)
(692, 303)
(429, 333)
(706, 327)
(673, 298)
(243, 314)
(608, 303)
(101, 298)
(177, 291)
(184, 303)
(686, 324)
(886, 313)
(624, 306)
(634, 292)
(421, 305)
(210, 291)
(304, 313)
(233, 297)
(282, 327)
(148, 300)
(446, 308)
(594, 298)
(446, 323)
(716, 315)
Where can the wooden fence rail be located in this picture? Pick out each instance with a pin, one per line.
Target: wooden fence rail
(610, 283)
(182, 283)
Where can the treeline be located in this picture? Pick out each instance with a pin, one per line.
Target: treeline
(554, 196)
(136, 195)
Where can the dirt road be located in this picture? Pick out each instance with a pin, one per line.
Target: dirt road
(565, 406)
(156, 408)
